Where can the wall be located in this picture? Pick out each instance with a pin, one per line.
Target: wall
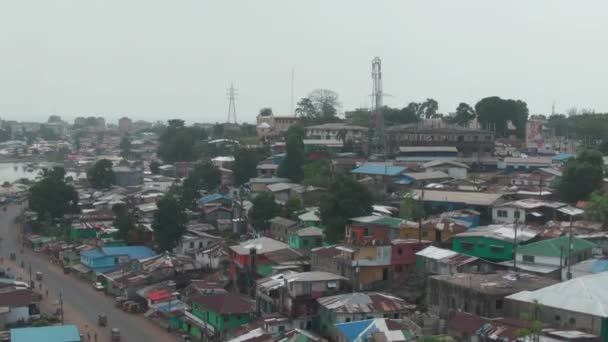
(15, 314)
(444, 298)
(482, 248)
(510, 215)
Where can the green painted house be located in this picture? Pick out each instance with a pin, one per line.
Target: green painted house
(307, 238)
(82, 231)
(223, 313)
(494, 242)
(310, 219)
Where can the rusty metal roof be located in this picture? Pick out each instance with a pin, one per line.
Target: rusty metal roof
(365, 302)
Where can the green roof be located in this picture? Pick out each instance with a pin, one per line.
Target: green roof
(554, 247)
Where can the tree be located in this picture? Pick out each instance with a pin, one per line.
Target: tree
(597, 207)
(245, 164)
(123, 221)
(320, 106)
(169, 223)
(291, 167)
(346, 198)
(496, 112)
(264, 208)
(409, 209)
(292, 207)
(533, 326)
(266, 111)
(125, 146)
(359, 117)
(317, 173)
(581, 176)
(177, 141)
(154, 167)
(429, 108)
(101, 176)
(52, 197)
(464, 114)
(204, 176)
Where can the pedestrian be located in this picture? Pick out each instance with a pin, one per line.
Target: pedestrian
(47, 293)
(88, 336)
(95, 336)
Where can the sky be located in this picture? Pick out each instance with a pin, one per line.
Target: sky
(159, 59)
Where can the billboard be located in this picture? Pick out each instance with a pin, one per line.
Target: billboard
(535, 138)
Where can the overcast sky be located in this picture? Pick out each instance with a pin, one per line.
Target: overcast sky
(155, 60)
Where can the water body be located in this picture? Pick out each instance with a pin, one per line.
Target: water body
(10, 172)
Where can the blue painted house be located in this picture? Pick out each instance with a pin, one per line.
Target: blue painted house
(101, 260)
(216, 198)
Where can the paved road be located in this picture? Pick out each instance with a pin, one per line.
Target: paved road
(78, 295)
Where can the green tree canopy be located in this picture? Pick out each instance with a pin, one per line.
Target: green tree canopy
(320, 106)
(155, 167)
(409, 209)
(101, 176)
(317, 173)
(495, 112)
(291, 167)
(346, 198)
(51, 197)
(123, 221)
(597, 208)
(292, 207)
(176, 143)
(581, 176)
(205, 176)
(245, 164)
(169, 223)
(264, 208)
(266, 111)
(464, 114)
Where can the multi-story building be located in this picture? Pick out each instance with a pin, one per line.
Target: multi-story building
(470, 142)
(338, 131)
(273, 127)
(125, 125)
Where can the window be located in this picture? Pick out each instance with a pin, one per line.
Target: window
(498, 304)
(332, 285)
(572, 321)
(304, 243)
(425, 233)
(398, 268)
(191, 244)
(516, 214)
(528, 259)
(200, 244)
(347, 320)
(467, 246)
(497, 249)
(396, 315)
(502, 213)
(399, 251)
(558, 318)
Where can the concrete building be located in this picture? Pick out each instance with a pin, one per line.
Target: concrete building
(526, 211)
(274, 127)
(452, 168)
(478, 293)
(494, 242)
(468, 141)
(339, 131)
(126, 176)
(125, 125)
(577, 304)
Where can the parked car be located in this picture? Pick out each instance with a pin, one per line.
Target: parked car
(98, 286)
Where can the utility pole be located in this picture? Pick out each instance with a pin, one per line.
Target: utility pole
(569, 259)
(420, 209)
(515, 246)
(61, 306)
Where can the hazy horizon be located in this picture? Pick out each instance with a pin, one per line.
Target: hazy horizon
(155, 60)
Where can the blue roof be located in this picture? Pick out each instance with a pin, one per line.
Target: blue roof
(57, 333)
(134, 252)
(600, 265)
(352, 330)
(212, 198)
(93, 254)
(562, 157)
(375, 169)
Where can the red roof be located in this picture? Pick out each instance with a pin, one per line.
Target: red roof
(159, 295)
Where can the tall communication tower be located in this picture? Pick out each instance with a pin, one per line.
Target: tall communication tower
(378, 138)
(231, 106)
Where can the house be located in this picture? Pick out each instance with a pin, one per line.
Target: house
(526, 211)
(215, 199)
(310, 219)
(338, 131)
(478, 293)
(452, 168)
(403, 256)
(426, 153)
(358, 306)
(126, 176)
(511, 164)
(418, 179)
(434, 260)
(167, 170)
(494, 242)
(218, 315)
(282, 228)
(250, 254)
(211, 256)
(282, 191)
(587, 267)
(440, 200)
(307, 238)
(549, 257)
(577, 304)
(378, 329)
(101, 260)
(18, 304)
(381, 171)
(82, 231)
(146, 211)
(295, 295)
(267, 169)
(195, 240)
(322, 148)
(260, 184)
(55, 333)
(216, 214)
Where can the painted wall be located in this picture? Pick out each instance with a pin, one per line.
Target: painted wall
(15, 314)
(482, 248)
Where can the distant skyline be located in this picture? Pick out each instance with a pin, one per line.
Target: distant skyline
(155, 60)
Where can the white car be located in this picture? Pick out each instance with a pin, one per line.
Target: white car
(98, 286)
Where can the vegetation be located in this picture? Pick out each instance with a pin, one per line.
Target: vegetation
(125, 146)
(204, 176)
(464, 114)
(266, 111)
(177, 142)
(101, 176)
(597, 208)
(495, 112)
(123, 221)
(52, 197)
(245, 164)
(293, 207)
(581, 176)
(320, 106)
(169, 223)
(264, 208)
(410, 209)
(291, 167)
(346, 198)
(317, 173)
(155, 167)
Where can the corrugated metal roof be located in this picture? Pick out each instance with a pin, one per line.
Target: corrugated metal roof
(470, 198)
(436, 253)
(555, 247)
(360, 302)
(384, 170)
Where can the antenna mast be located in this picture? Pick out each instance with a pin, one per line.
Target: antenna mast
(231, 105)
(378, 138)
(293, 70)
